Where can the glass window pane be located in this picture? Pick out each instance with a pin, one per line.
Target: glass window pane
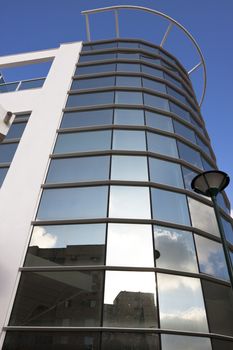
(189, 155)
(31, 84)
(73, 203)
(22, 115)
(219, 307)
(211, 258)
(97, 57)
(59, 298)
(149, 48)
(168, 77)
(129, 245)
(184, 131)
(128, 296)
(152, 71)
(150, 59)
(87, 118)
(8, 87)
(176, 95)
(129, 202)
(203, 147)
(227, 227)
(181, 303)
(129, 116)
(182, 342)
(159, 121)
(101, 46)
(176, 248)
(51, 340)
(154, 85)
(219, 344)
(131, 45)
(156, 102)
(162, 144)
(132, 341)
(3, 172)
(7, 152)
(128, 97)
(66, 245)
(222, 203)
(170, 207)
(16, 131)
(92, 83)
(128, 55)
(129, 140)
(90, 99)
(182, 113)
(189, 175)
(166, 173)
(100, 68)
(131, 168)
(206, 165)
(128, 67)
(128, 81)
(78, 169)
(203, 217)
(83, 141)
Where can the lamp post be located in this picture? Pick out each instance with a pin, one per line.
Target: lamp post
(210, 183)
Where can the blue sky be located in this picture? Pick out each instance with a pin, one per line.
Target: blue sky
(34, 25)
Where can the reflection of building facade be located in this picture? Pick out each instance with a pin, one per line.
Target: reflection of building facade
(137, 309)
(95, 186)
(71, 255)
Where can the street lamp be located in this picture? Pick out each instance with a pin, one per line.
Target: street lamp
(210, 183)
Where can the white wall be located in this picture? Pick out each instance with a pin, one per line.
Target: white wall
(21, 189)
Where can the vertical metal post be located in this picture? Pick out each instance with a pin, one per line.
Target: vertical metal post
(224, 242)
(87, 28)
(117, 24)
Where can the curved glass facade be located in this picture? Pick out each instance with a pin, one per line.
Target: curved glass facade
(123, 255)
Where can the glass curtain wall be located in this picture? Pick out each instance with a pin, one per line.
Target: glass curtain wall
(121, 249)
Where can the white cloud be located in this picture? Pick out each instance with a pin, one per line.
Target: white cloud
(42, 239)
(231, 213)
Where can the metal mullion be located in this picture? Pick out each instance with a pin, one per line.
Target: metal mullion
(105, 268)
(129, 152)
(125, 221)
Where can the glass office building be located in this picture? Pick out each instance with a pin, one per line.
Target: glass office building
(120, 253)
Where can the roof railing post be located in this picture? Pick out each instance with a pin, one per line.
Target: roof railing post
(166, 34)
(88, 28)
(117, 23)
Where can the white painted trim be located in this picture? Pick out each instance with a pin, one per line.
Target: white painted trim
(20, 193)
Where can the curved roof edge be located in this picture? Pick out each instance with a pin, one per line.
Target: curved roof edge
(171, 21)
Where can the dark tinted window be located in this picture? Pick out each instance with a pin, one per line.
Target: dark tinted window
(7, 152)
(87, 118)
(51, 341)
(100, 68)
(16, 131)
(97, 57)
(156, 102)
(219, 305)
(73, 203)
(126, 341)
(83, 141)
(189, 155)
(78, 169)
(3, 172)
(92, 83)
(95, 98)
(74, 299)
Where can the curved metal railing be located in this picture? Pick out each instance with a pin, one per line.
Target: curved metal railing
(171, 23)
